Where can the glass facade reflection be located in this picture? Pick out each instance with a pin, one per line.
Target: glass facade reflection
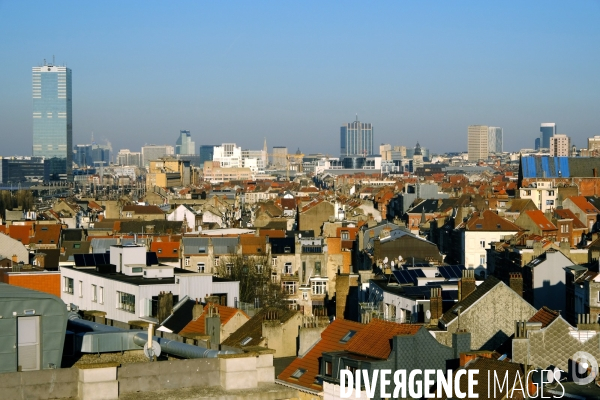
(356, 139)
(52, 120)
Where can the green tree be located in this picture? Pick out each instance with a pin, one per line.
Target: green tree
(256, 281)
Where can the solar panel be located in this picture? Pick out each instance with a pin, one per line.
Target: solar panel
(88, 260)
(79, 262)
(405, 277)
(151, 258)
(451, 271)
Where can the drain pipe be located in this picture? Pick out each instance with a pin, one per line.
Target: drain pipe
(75, 320)
(180, 349)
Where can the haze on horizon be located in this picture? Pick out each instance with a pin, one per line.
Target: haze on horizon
(294, 72)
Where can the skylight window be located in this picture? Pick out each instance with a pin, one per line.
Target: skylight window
(298, 373)
(246, 341)
(348, 336)
(478, 226)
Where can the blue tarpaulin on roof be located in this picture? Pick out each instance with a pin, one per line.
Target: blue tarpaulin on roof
(545, 167)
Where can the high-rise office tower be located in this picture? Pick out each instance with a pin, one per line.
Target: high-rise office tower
(495, 139)
(547, 130)
(206, 153)
(52, 120)
(477, 142)
(356, 139)
(184, 144)
(153, 152)
(279, 156)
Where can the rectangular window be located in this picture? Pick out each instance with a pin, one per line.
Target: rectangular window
(274, 261)
(345, 235)
(328, 368)
(482, 243)
(101, 295)
(186, 262)
(216, 261)
(126, 302)
(317, 267)
(319, 287)
(94, 293)
(68, 285)
(259, 269)
(229, 268)
(201, 268)
(202, 250)
(80, 289)
(481, 260)
(289, 287)
(287, 269)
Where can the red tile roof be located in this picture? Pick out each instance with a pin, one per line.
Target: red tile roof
(540, 220)
(584, 205)
(568, 214)
(47, 234)
(330, 341)
(545, 315)
(143, 209)
(165, 249)
(20, 233)
(226, 313)
(376, 339)
(490, 221)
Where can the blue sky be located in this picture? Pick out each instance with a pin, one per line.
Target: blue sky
(293, 72)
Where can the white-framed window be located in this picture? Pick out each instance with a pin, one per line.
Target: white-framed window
(126, 302)
(287, 268)
(68, 285)
(274, 261)
(304, 295)
(201, 268)
(274, 277)
(482, 243)
(94, 293)
(318, 267)
(229, 268)
(345, 235)
(259, 269)
(319, 287)
(186, 262)
(289, 287)
(216, 261)
(481, 259)
(101, 295)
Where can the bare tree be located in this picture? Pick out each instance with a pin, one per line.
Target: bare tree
(256, 280)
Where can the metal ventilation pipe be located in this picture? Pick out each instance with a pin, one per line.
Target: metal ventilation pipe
(178, 348)
(75, 320)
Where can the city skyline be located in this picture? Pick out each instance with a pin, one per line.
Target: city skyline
(212, 70)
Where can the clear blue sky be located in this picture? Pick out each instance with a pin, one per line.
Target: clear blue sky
(295, 71)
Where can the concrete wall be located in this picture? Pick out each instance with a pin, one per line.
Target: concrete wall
(45, 384)
(144, 377)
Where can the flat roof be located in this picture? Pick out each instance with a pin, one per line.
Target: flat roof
(132, 280)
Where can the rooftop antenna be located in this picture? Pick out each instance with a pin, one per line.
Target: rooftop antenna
(52, 59)
(356, 117)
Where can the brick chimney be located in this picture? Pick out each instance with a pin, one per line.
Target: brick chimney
(197, 310)
(165, 306)
(515, 281)
(435, 305)
(466, 285)
(15, 259)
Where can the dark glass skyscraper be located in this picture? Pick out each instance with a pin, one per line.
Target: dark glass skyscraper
(547, 130)
(356, 139)
(52, 120)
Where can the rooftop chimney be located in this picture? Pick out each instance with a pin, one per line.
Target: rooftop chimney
(435, 305)
(165, 306)
(197, 310)
(466, 285)
(516, 282)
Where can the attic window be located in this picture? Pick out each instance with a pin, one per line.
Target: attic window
(51, 240)
(498, 226)
(298, 373)
(44, 228)
(246, 341)
(159, 251)
(76, 245)
(174, 250)
(287, 249)
(348, 336)
(202, 250)
(478, 226)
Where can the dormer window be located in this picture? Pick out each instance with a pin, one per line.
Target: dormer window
(348, 336)
(298, 373)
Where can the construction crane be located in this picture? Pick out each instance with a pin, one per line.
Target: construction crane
(297, 160)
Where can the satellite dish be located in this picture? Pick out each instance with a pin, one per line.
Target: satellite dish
(155, 351)
(428, 314)
(392, 263)
(385, 260)
(299, 236)
(399, 258)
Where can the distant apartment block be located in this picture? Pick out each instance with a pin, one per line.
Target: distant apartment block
(356, 139)
(560, 146)
(477, 142)
(280, 156)
(154, 152)
(214, 173)
(126, 157)
(228, 155)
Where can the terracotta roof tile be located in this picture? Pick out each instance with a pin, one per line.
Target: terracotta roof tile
(375, 340)
(490, 221)
(165, 249)
(226, 313)
(540, 220)
(330, 341)
(545, 315)
(584, 205)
